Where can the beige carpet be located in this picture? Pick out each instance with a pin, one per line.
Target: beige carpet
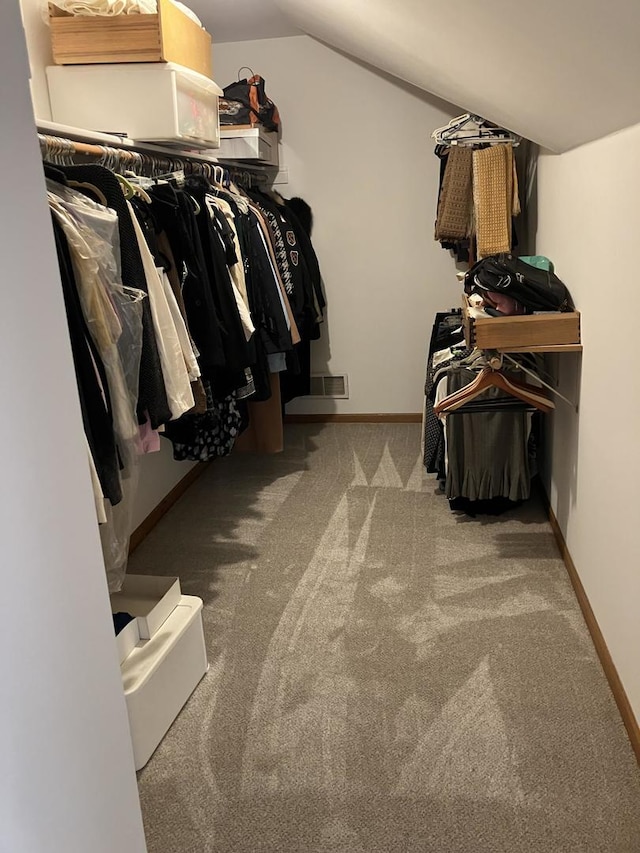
(385, 676)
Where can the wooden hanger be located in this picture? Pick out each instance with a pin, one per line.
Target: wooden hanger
(488, 378)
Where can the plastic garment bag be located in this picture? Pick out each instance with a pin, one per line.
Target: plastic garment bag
(113, 314)
(115, 534)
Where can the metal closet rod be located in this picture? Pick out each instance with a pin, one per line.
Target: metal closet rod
(146, 155)
(79, 147)
(139, 153)
(81, 137)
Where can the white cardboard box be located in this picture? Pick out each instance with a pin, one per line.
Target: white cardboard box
(150, 599)
(249, 144)
(159, 676)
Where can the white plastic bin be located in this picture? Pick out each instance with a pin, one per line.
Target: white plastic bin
(160, 675)
(150, 101)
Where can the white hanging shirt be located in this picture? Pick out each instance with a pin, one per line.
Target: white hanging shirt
(174, 370)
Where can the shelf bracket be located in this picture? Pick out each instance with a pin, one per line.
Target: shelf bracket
(572, 403)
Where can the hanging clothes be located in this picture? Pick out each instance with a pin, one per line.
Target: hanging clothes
(478, 199)
(299, 286)
(302, 229)
(164, 260)
(152, 398)
(485, 455)
(174, 370)
(95, 402)
(487, 452)
(187, 305)
(99, 289)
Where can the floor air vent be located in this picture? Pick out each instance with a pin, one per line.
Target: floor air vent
(335, 386)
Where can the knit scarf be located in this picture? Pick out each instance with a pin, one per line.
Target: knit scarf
(454, 208)
(495, 198)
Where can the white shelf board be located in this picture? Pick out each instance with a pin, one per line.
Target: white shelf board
(230, 132)
(80, 134)
(94, 137)
(246, 145)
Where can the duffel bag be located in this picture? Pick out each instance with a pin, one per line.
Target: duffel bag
(534, 288)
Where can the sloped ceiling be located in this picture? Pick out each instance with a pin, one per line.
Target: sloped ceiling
(559, 72)
(243, 20)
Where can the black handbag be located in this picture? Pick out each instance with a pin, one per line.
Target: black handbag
(536, 289)
(246, 102)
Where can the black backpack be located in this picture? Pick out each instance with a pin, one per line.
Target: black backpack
(246, 102)
(536, 289)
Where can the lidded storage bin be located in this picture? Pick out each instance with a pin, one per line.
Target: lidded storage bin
(151, 102)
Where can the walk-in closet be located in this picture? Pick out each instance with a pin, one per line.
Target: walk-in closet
(319, 501)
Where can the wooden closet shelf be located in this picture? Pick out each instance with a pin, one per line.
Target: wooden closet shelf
(552, 332)
(543, 348)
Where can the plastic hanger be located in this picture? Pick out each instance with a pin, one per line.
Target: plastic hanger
(194, 202)
(133, 181)
(127, 187)
(94, 191)
(471, 129)
(219, 175)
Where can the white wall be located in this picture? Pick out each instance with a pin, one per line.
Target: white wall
(159, 473)
(589, 224)
(39, 46)
(68, 783)
(358, 149)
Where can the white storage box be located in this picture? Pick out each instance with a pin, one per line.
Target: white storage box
(127, 640)
(151, 102)
(150, 599)
(249, 143)
(160, 675)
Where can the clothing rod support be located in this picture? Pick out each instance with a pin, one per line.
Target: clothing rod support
(572, 403)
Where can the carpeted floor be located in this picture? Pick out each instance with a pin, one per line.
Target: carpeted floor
(385, 677)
